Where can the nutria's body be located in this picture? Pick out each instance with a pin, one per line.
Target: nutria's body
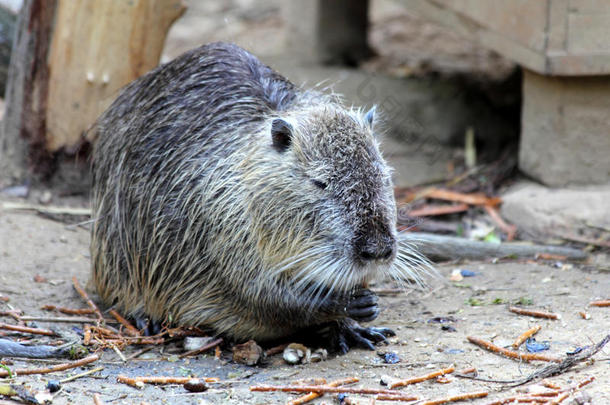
(225, 197)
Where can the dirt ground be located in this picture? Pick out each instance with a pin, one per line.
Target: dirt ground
(32, 245)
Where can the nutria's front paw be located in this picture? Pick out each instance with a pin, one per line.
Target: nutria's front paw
(349, 334)
(362, 306)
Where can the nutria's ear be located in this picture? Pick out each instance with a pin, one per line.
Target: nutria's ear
(369, 116)
(281, 134)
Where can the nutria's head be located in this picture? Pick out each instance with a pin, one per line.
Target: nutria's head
(337, 227)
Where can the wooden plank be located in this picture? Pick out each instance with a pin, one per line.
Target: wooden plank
(551, 37)
(470, 29)
(98, 46)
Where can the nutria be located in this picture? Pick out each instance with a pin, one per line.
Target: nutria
(226, 197)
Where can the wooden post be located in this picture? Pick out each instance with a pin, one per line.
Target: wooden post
(69, 61)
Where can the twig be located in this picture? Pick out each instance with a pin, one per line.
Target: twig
(455, 398)
(313, 395)
(275, 350)
(13, 313)
(600, 303)
(543, 397)
(415, 380)
(97, 400)
(433, 210)
(552, 369)
(534, 313)
(139, 352)
(526, 335)
(202, 349)
(85, 297)
(471, 199)
(25, 329)
(323, 389)
(118, 352)
(62, 319)
(85, 374)
(138, 381)
(509, 353)
(584, 315)
(453, 247)
(43, 209)
(510, 230)
(46, 370)
(68, 311)
(581, 239)
(129, 328)
(135, 340)
(398, 397)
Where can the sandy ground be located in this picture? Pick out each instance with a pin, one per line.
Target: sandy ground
(32, 245)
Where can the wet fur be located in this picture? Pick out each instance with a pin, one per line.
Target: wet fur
(200, 220)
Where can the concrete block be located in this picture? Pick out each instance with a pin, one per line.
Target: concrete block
(565, 132)
(327, 31)
(422, 120)
(538, 210)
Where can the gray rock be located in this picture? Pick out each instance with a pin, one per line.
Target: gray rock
(538, 210)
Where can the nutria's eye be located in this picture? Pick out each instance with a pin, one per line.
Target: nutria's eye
(319, 184)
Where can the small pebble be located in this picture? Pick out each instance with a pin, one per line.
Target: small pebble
(296, 353)
(53, 385)
(195, 342)
(195, 385)
(248, 353)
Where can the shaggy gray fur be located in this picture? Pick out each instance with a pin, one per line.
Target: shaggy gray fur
(225, 197)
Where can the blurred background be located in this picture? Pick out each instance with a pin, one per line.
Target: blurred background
(492, 97)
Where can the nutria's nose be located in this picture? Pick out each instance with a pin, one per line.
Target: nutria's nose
(371, 250)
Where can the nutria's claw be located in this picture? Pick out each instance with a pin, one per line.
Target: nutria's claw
(149, 327)
(362, 306)
(351, 334)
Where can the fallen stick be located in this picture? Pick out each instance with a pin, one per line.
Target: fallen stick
(453, 247)
(526, 335)
(433, 210)
(68, 311)
(138, 381)
(43, 209)
(415, 380)
(313, 395)
(510, 230)
(275, 350)
(135, 341)
(46, 370)
(471, 199)
(25, 329)
(8, 348)
(455, 398)
(544, 397)
(581, 239)
(323, 389)
(129, 328)
(81, 375)
(509, 353)
(550, 370)
(88, 300)
(139, 352)
(62, 319)
(13, 313)
(534, 313)
(97, 400)
(403, 398)
(601, 303)
(202, 349)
